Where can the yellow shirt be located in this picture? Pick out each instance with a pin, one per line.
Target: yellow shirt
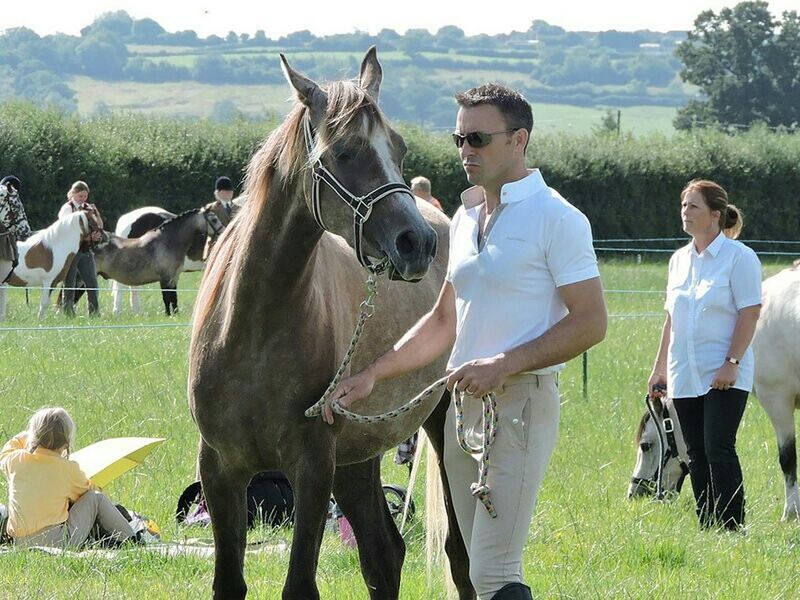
(40, 486)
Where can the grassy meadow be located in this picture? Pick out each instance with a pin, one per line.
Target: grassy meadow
(587, 541)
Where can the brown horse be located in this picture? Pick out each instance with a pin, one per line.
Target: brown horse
(273, 318)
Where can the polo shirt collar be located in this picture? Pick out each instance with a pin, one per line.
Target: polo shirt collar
(511, 192)
(713, 248)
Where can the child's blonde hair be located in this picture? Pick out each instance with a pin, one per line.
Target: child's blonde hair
(51, 428)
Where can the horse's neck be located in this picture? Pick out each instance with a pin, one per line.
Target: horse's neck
(279, 250)
(66, 230)
(193, 224)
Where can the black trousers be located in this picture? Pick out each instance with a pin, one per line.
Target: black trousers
(709, 424)
(82, 265)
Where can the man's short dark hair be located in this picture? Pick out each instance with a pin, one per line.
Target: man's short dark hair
(511, 104)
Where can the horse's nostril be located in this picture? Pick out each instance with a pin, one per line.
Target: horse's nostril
(407, 243)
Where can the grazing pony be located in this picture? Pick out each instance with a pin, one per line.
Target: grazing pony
(276, 310)
(45, 257)
(776, 383)
(158, 255)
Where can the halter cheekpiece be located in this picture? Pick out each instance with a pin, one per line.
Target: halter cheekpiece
(360, 205)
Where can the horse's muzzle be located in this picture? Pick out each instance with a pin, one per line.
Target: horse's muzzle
(413, 252)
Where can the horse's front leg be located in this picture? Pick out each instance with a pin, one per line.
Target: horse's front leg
(454, 543)
(117, 296)
(224, 488)
(170, 296)
(312, 479)
(381, 550)
(2, 301)
(44, 301)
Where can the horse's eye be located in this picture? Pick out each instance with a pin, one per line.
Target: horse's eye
(645, 446)
(344, 157)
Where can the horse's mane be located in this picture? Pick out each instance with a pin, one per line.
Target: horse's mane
(658, 407)
(54, 229)
(171, 222)
(283, 156)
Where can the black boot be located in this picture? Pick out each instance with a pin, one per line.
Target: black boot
(513, 591)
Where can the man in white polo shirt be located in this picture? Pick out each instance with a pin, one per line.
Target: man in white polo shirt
(522, 296)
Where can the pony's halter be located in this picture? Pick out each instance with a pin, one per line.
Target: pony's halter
(360, 205)
(655, 483)
(217, 227)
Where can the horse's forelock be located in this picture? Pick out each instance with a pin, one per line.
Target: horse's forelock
(658, 407)
(349, 106)
(640, 429)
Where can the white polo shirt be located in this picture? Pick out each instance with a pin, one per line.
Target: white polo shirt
(705, 293)
(506, 292)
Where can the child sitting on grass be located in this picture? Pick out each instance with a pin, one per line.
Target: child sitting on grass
(51, 501)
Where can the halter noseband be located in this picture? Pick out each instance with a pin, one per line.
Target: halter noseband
(360, 205)
(210, 223)
(654, 483)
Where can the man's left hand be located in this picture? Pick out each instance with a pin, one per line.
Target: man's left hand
(479, 377)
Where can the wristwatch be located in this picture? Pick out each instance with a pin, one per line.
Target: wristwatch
(733, 361)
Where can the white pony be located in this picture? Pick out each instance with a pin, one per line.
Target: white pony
(45, 257)
(776, 347)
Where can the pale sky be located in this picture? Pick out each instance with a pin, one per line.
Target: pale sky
(324, 17)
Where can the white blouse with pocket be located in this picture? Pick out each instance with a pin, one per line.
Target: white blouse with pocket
(705, 293)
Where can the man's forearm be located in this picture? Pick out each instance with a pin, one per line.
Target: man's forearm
(567, 339)
(422, 344)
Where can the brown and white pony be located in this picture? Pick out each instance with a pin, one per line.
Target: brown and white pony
(276, 310)
(157, 256)
(136, 223)
(45, 257)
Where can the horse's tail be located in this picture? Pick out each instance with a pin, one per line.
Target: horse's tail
(436, 522)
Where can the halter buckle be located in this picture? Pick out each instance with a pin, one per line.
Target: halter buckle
(362, 205)
(669, 426)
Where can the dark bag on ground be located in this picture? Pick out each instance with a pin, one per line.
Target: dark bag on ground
(4, 539)
(270, 501)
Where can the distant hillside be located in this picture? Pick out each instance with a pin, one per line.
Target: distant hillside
(550, 65)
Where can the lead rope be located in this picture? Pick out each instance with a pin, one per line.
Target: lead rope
(480, 489)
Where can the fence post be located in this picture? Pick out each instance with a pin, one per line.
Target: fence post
(585, 361)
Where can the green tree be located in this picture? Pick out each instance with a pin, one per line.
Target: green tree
(745, 62)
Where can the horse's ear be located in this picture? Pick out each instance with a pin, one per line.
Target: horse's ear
(308, 92)
(371, 73)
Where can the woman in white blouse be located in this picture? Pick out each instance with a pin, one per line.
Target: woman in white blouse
(704, 359)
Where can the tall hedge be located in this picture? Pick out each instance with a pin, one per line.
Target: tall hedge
(627, 186)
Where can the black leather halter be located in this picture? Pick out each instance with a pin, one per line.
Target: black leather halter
(668, 451)
(360, 205)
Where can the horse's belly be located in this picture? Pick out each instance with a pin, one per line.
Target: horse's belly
(361, 441)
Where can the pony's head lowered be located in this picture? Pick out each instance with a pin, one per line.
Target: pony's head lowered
(338, 134)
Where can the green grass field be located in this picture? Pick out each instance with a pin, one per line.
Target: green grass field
(587, 541)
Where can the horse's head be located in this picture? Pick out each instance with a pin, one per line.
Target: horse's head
(214, 225)
(657, 454)
(354, 161)
(92, 225)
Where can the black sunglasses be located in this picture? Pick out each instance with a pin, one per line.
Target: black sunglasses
(477, 139)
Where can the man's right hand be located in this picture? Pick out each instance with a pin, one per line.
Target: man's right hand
(348, 391)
